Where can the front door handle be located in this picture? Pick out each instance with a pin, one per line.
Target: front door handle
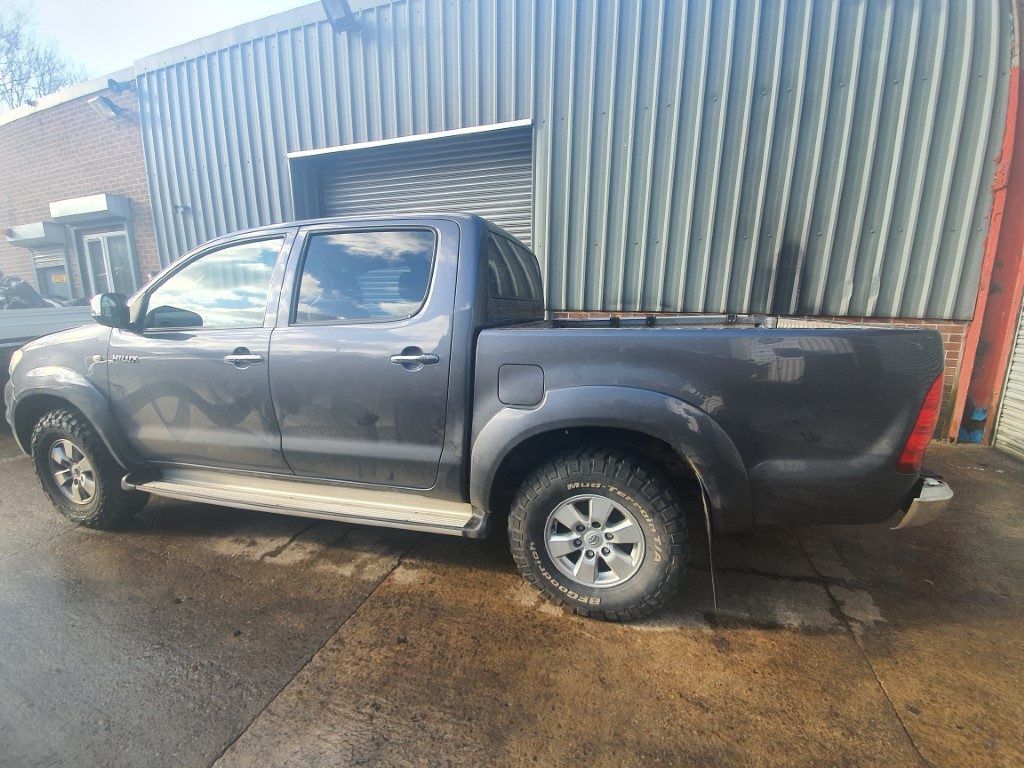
(414, 358)
(242, 358)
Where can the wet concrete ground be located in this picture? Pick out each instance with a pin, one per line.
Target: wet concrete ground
(204, 636)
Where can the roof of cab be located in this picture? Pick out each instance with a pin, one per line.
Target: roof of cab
(371, 218)
(463, 219)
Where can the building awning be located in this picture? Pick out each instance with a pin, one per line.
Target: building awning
(94, 208)
(41, 234)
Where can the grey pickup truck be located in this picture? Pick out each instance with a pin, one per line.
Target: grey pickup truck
(403, 372)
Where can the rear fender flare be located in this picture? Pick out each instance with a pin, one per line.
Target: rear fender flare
(690, 431)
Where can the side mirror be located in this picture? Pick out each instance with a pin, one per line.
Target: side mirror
(110, 309)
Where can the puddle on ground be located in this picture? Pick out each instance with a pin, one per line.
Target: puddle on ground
(746, 600)
(331, 549)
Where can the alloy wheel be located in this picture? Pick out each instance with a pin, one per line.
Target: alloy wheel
(594, 541)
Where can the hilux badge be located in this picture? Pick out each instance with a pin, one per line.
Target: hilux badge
(124, 358)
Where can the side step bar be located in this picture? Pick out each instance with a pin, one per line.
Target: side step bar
(390, 509)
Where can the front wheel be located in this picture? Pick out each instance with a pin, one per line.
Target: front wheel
(600, 532)
(79, 474)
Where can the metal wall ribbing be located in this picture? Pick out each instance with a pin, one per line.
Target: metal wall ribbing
(489, 173)
(787, 155)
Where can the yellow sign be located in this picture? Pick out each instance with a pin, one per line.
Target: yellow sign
(58, 278)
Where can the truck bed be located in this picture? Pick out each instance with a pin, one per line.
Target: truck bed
(818, 416)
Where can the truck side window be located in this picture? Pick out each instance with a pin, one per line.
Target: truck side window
(515, 290)
(227, 288)
(371, 276)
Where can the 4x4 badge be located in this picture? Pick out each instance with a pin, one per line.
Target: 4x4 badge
(124, 358)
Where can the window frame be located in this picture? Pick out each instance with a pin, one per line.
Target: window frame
(307, 239)
(285, 237)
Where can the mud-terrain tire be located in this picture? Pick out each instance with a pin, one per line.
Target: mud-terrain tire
(64, 442)
(588, 502)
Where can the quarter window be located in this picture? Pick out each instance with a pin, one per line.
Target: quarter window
(515, 291)
(365, 276)
(512, 271)
(227, 288)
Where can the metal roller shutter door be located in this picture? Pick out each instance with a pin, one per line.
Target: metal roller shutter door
(488, 173)
(1010, 426)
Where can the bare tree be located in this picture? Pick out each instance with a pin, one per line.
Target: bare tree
(29, 67)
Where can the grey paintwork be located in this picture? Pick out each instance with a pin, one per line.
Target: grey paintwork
(378, 422)
(68, 366)
(182, 403)
(692, 433)
(780, 425)
(20, 326)
(797, 424)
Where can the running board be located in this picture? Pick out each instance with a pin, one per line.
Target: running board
(305, 499)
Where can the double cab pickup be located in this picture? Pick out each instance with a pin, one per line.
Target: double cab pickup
(404, 372)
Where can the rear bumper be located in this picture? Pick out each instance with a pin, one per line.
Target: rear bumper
(927, 505)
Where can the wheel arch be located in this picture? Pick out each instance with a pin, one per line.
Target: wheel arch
(31, 409)
(50, 389)
(682, 441)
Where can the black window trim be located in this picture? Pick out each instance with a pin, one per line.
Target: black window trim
(307, 238)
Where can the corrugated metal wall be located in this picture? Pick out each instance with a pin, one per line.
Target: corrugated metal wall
(745, 155)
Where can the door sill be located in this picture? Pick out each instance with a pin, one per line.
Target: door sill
(390, 509)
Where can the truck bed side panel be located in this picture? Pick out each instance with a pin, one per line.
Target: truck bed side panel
(818, 416)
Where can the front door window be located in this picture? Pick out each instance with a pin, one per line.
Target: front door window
(223, 289)
(110, 265)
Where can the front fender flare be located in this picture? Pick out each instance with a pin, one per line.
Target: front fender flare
(690, 431)
(77, 390)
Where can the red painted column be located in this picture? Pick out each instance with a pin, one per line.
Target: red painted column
(990, 335)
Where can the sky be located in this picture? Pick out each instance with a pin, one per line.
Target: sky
(108, 35)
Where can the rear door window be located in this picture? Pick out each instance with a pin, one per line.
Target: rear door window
(371, 276)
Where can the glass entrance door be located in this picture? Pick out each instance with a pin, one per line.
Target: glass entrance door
(109, 259)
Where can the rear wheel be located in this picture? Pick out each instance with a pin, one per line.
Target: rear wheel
(78, 472)
(600, 532)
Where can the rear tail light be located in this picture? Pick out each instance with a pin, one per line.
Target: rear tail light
(913, 452)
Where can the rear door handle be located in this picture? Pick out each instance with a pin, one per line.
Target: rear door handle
(242, 358)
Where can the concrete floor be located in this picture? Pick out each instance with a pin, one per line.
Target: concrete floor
(204, 636)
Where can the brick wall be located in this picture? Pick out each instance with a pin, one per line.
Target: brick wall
(70, 150)
(952, 332)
